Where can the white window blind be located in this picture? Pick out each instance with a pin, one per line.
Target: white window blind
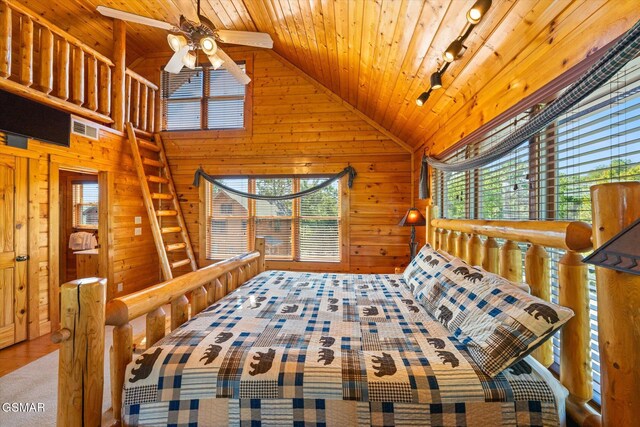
(304, 229)
(203, 98)
(85, 204)
(548, 178)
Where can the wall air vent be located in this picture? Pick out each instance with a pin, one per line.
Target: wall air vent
(84, 129)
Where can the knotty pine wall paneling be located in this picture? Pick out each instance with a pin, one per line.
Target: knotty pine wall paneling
(299, 128)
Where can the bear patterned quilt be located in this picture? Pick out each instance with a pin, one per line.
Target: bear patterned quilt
(310, 349)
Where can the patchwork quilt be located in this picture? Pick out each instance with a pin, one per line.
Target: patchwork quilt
(308, 349)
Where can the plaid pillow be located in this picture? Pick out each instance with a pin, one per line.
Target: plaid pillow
(498, 323)
(423, 268)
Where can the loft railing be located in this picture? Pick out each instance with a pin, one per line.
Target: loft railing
(42, 62)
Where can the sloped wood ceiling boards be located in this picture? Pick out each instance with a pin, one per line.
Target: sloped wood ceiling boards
(377, 55)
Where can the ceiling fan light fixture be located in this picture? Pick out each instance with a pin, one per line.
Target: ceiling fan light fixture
(477, 11)
(216, 61)
(189, 60)
(208, 45)
(176, 42)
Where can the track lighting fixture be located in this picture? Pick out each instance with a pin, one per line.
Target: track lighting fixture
(176, 42)
(456, 48)
(436, 80)
(208, 45)
(453, 51)
(477, 11)
(423, 98)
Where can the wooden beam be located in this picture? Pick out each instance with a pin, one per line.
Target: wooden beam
(119, 74)
(106, 202)
(33, 225)
(54, 243)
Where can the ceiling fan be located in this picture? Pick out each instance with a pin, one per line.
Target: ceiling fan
(186, 38)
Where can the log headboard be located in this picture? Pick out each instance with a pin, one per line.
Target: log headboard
(614, 207)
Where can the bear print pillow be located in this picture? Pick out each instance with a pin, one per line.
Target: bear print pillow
(497, 322)
(422, 268)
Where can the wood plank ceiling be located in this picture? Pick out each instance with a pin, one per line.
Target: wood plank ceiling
(375, 54)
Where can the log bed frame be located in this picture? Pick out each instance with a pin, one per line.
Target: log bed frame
(615, 206)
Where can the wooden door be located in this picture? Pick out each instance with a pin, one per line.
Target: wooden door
(13, 250)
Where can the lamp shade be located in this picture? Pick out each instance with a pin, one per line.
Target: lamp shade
(413, 217)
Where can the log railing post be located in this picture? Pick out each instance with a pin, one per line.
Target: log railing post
(121, 355)
(151, 111)
(127, 93)
(575, 352)
(260, 247)
(490, 255)
(616, 206)
(119, 55)
(538, 276)
(142, 114)
(451, 242)
(220, 291)
(92, 83)
(135, 103)
(156, 325)
(46, 60)
(63, 69)
(511, 261)
(81, 364)
(179, 311)
(463, 239)
(26, 52)
(474, 250)
(104, 98)
(5, 39)
(77, 87)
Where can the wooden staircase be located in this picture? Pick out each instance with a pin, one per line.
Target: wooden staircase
(161, 201)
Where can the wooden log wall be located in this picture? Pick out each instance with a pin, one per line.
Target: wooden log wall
(134, 260)
(298, 128)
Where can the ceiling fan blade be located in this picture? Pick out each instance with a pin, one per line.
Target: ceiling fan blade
(247, 38)
(175, 64)
(132, 17)
(188, 10)
(231, 66)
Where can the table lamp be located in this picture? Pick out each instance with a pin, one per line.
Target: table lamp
(413, 217)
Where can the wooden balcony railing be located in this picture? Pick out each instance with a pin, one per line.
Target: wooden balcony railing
(141, 101)
(48, 65)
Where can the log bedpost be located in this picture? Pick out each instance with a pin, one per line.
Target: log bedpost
(121, 355)
(81, 365)
(537, 274)
(616, 206)
(474, 250)
(428, 227)
(260, 247)
(119, 73)
(490, 257)
(511, 261)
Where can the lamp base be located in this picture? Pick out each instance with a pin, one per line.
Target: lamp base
(413, 249)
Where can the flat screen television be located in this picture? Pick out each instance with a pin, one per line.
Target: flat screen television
(30, 119)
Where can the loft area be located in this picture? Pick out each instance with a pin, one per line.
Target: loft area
(263, 162)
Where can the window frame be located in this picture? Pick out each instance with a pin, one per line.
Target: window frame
(75, 213)
(342, 265)
(247, 130)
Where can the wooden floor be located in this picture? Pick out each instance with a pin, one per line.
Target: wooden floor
(21, 354)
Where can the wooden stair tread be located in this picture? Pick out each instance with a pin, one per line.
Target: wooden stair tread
(176, 246)
(167, 230)
(166, 212)
(151, 162)
(180, 263)
(148, 146)
(161, 196)
(158, 179)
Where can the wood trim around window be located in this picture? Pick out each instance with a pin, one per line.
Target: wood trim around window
(247, 131)
(342, 266)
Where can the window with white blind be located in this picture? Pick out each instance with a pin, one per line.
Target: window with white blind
(548, 177)
(307, 229)
(203, 98)
(85, 204)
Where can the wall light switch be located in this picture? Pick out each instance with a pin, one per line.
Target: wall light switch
(138, 231)
(120, 287)
(138, 220)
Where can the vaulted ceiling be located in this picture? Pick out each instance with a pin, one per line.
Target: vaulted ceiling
(378, 54)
